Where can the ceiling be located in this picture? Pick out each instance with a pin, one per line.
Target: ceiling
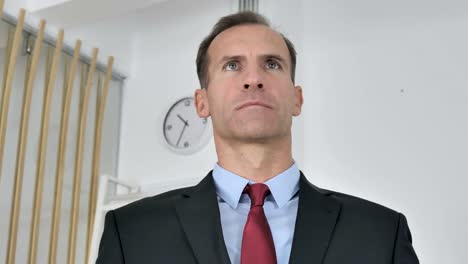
(74, 13)
(69, 13)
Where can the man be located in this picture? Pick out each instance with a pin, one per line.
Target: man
(255, 206)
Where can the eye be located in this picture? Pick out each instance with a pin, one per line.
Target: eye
(271, 64)
(231, 66)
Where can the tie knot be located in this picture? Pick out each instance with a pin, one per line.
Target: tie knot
(257, 193)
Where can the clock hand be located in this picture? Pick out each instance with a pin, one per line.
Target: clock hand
(181, 133)
(185, 121)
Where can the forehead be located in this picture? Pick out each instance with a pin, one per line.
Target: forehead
(248, 40)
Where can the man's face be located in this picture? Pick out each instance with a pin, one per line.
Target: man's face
(250, 95)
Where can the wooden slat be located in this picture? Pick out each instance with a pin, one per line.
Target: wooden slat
(14, 211)
(100, 110)
(28, 65)
(42, 152)
(92, 183)
(23, 134)
(83, 80)
(10, 37)
(6, 92)
(2, 2)
(48, 66)
(67, 96)
(78, 163)
(9, 47)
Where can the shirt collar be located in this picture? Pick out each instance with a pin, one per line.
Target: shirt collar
(229, 186)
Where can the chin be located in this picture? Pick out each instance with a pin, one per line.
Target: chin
(257, 135)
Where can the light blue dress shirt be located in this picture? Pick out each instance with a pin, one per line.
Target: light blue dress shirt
(280, 209)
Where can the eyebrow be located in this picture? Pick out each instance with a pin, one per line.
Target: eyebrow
(231, 58)
(275, 57)
(263, 57)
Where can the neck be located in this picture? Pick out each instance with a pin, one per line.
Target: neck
(257, 162)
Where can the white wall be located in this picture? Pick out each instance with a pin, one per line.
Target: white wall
(114, 36)
(386, 103)
(14, 5)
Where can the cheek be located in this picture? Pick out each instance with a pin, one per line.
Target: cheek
(285, 95)
(223, 78)
(217, 103)
(222, 92)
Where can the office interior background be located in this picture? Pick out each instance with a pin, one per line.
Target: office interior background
(385, 115)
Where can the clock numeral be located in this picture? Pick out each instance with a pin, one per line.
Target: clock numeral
(187, 103)
(186, 144)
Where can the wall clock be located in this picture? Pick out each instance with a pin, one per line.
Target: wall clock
(184, 131)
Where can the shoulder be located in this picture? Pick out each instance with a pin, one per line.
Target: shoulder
(362, 211)
(162, 199)
(349, 205)
(161, 205)
(358, 203)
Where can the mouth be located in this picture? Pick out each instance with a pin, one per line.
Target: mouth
(253, 104)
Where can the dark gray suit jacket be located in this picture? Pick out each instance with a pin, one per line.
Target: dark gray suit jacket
(183, 226)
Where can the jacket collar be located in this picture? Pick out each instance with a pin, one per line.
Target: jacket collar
(199, 215)
(316, 219)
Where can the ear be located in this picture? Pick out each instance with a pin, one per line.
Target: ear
(201, 103)
(298, 100)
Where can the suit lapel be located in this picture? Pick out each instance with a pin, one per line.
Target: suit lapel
(198, 212)
(316, 218)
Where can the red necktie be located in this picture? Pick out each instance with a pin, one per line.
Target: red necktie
(257, 241)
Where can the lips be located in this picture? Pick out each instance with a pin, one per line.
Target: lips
(253, 103)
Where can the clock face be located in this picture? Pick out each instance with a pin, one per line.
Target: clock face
(184, 131)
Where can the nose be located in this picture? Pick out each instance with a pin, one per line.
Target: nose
(247, 86)
(254, 79)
